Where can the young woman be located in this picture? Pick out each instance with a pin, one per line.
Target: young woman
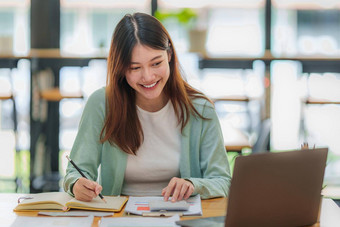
(149, 131)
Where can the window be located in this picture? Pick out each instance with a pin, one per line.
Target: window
(14, 27)
(87, 25)
(233, 28)
(306, 28)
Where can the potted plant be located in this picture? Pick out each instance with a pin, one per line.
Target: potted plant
(189, 19)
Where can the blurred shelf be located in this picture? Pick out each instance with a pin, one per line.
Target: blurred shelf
(316, 101)
(55, 95)
(315, 63)
(50, 53)
(6, 97)
(231, 98)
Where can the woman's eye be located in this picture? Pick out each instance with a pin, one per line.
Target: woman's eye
(134, 68)
(157, 63)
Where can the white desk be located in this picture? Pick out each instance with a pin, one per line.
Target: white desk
(330, 212)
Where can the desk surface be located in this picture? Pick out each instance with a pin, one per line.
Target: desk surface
(330, 212)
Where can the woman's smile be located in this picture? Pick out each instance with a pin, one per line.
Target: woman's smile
(150, 86)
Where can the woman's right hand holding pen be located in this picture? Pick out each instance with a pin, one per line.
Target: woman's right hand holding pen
(86, 190)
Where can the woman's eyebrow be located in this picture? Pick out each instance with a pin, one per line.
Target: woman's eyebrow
(159, 56)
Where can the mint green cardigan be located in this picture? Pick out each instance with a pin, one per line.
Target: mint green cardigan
(203, 158)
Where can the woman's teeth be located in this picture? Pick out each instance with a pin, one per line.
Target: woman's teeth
(149, 86)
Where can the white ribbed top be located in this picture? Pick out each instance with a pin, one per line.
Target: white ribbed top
(157, 159)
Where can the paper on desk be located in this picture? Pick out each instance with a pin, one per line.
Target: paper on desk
(139, 221)
(76, 214)
(140, 205)
(52, 221)
(331, 192)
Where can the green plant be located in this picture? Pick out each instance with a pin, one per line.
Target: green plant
(186, 16)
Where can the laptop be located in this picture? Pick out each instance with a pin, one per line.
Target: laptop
(273, 189)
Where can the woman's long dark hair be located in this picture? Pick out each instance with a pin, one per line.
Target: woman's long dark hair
(122, 126)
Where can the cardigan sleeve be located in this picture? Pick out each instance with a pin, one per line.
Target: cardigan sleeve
(86, 150)
(214, 164)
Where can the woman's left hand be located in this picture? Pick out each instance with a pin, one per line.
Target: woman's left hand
(178, 188)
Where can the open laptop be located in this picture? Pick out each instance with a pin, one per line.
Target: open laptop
(273, 189)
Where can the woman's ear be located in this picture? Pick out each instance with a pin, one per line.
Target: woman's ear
(169, 51)
(169, 55)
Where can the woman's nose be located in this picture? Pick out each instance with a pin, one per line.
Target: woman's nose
(147, 75)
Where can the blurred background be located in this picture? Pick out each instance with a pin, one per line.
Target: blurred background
(271, 67)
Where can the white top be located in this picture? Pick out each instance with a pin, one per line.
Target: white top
(157, 160)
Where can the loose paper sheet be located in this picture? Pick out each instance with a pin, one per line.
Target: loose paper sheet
(139, 221)
(21, 221)
(76, 214)
(140, 205)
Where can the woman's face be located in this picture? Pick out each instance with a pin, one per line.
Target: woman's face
(147, 75)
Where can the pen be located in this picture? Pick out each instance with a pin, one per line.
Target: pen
(83, 175)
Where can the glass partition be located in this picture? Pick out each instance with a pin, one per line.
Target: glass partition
(231, 28)
(306, 28)
(87, 25)
(14, 27)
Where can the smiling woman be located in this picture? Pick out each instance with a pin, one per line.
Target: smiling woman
(149, 130)
(148, 75)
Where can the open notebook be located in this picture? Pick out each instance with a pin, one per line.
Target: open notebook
(63, 201)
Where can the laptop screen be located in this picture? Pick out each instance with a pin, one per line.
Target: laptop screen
(273, 189)
(277, 189)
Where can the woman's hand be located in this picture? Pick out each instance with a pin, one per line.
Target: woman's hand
(178, 188)
(86, 190)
